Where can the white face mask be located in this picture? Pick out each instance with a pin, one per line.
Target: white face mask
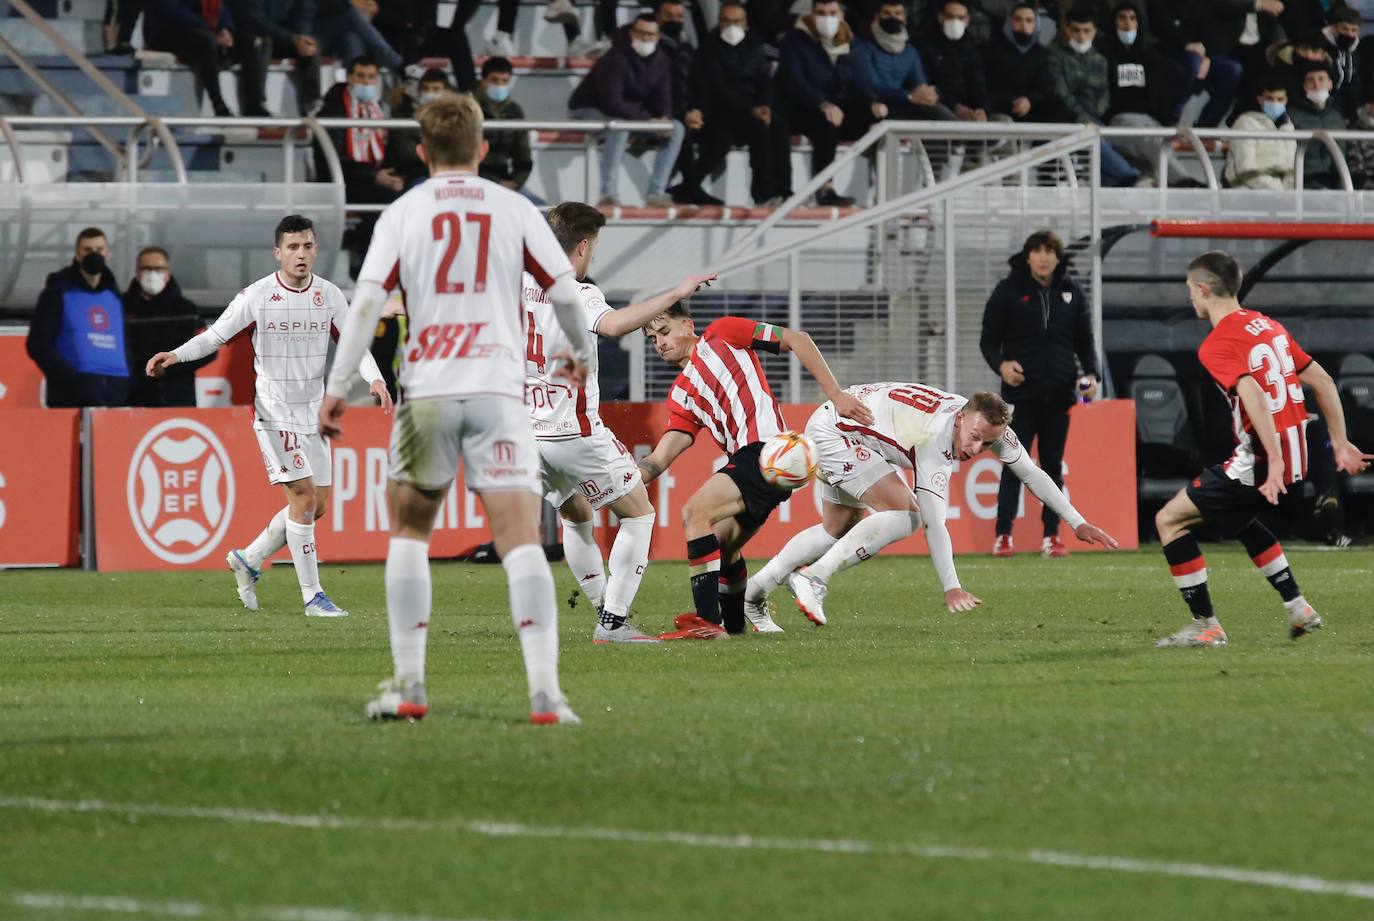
(152, 282)
(1081, 47)
(827, 26)
(643, 49)
(954, 29)
(1318, 97)
(732, 35)
(1127, 36)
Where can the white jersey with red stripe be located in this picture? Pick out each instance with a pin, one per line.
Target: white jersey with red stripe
(292, 328)
(458, 245)
(558, 409)
(1247, 343)
(723, 389)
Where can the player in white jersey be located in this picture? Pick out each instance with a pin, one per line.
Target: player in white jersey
(294, 313)
(456, 245)
(583, 464)
(916, 427)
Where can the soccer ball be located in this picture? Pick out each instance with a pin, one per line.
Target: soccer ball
(788, 460)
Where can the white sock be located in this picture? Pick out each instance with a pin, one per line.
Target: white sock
(408, 599)
(272, 539)
(864, 541)
(629, 557)
(805, 547)
(584, 559)
(301, 539)
(534, 611)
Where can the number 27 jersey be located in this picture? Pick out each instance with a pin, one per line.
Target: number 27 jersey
(457, 246)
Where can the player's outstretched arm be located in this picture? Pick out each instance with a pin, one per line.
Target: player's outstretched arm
(933, 512)
(235, 318)
(1349, 459)
(800, 343)
(627, 319)
(359, 325)
(1043, 488)
(1256, 403)
(668, 449)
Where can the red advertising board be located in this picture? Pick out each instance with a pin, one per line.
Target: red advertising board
(21, 383)
(181, 488)
(40, 486)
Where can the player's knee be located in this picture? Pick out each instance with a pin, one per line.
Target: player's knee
(1165, 523)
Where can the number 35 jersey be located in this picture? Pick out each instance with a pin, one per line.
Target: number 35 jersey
(1249, 344)
(557, 408)
(457, 246)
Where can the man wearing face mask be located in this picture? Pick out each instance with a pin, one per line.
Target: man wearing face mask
(953, 64)
(681, 54)
(401, 142)
(508, 160)
(158, 318)
(1254, 164)
(1018, 76)
(76, 336)
(891, 72)
(1316, 110)
(1340, 38)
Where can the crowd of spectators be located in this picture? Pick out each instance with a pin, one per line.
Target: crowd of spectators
(765, 73)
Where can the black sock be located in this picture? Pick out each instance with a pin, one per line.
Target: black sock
(733, 579)
(703, 560)
(1267, 555)
(1189, 570)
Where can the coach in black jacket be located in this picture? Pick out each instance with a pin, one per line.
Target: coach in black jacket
(1036, 321)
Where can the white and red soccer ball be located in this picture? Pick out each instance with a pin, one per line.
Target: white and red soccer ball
(788, 460)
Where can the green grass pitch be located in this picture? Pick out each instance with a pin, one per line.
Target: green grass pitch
(1038, 758)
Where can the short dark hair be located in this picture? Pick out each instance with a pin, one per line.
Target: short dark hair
(89, 233)
(1274, 79)
(945, 3)
(1217, 270)
(362, 60)
(293, 223)
(1081, 13)
(681, 310)
(662, 3)
(992, 407)
(1120, 5)
(152, 249)
(1044, 239)
(646, 17)
(496, 65)
(573, 222)
(1342, 14)
(435, 75)
(1022, 4)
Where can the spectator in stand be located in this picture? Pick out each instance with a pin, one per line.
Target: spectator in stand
(1302, 17)
(1317, 110)
(632, 81)
(206, 38)
(285, 29)
(361, 151)
(1081, 85)
(508, 160)
(953, 65)
(344, 30)
(672, 19)
(1182, 27)
(579, 46)
(117, 26)
(1293, 59)
(1018, 76)
(1252, 164)
(1351, 89)
(819, 89)
(401, 155)
(77, 334)
(732, 94)
(890, 69)
(158, 318)
(1243, 30)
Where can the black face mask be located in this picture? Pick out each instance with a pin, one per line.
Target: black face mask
(672, 30)
(1344, 42)
(1023, 41)
(891, 25)
(92, 263)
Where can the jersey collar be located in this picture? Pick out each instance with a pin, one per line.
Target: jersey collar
(281, 281)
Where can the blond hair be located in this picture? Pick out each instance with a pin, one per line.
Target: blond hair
(990, 406)
(451, 130)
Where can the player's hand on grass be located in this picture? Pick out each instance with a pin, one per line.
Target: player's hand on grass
(378, 390)
(1092, 534)
(851, 407)
(331, 411)
(564, 367)
(959, 601)
(1349, 459)
(692, 283)
(1273, 484)
(159, 363)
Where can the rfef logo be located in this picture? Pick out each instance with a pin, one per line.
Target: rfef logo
(180, 490)
(98, 317)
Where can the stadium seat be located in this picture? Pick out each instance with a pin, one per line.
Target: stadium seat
(1164, 440)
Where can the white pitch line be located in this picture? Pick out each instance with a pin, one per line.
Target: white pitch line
(1272, 878)
(114, 904)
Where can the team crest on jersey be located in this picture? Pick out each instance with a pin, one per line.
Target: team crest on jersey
(1067, 296)
(318, 299)
(940, 482)
(861, 453)
(1009, 438)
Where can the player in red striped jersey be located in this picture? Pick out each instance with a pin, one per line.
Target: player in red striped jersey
(723, 390)
(1262, 370)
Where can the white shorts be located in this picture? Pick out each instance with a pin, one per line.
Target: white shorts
(291, 456)
(596, 467)
(849, 466)
(492, 435)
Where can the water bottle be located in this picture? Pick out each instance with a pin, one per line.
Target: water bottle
(1084, 383)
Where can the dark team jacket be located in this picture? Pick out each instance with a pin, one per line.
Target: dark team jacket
(77, 338)
(1043, 328)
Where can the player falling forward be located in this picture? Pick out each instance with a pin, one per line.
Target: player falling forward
(722, 389)
(583, 465)
(294, 313)
(1262, 369)
(917, 427)
(457, 245)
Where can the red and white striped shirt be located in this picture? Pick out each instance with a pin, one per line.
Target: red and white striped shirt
(1247, 343)
(723, 389)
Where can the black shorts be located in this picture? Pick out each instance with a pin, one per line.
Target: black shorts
(1222, 500)
(760, 496)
